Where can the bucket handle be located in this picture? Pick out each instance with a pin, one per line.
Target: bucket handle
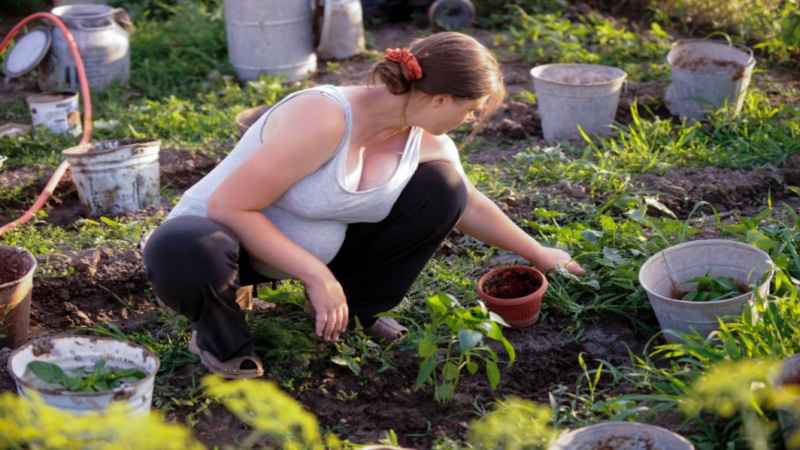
(122, 19)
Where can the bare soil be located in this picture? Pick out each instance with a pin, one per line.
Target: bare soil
(725, 189)
(107, 287)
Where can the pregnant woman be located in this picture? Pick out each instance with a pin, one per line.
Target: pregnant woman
(349, 190)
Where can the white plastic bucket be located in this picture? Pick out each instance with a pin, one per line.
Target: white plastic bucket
(706, 75)
(719, 257)
(342, 34)
(569, 95)
(74, 352)
(621, 436)
(116, 177)
(58, 112)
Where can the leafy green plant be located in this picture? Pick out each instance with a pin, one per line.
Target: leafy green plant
(455, 340)
(271, 414)
(711, 288)
(514, 424)
(100, 378)
(28, 423)
(357, 349)
(744, 387)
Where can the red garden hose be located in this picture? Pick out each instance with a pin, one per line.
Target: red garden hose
(87, 111)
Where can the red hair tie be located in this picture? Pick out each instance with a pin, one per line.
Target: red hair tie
(408, 62)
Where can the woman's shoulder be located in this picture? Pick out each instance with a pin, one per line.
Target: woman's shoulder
(438, 147)
(308, 116)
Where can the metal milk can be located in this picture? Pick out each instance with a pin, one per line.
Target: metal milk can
(102, 35)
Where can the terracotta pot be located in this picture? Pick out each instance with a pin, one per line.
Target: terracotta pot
(16, 283)
(514, 292)
(247, 117)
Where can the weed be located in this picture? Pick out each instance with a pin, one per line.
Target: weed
(545, 38)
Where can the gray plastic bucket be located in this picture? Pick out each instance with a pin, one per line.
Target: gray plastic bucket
(116, 177)
(706, 75)
(621, 436)
(568, 95)
(719, 257)
(270, 36)
(789, 375)
(73, 352)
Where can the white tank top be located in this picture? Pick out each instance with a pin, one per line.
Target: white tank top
(315, 211)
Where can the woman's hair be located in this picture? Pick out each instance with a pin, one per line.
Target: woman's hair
(452, 63)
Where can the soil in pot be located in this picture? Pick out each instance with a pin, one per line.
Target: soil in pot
(512, 284)
(14, 266)
(625, 443)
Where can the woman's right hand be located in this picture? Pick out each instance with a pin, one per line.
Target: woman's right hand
(330, 307)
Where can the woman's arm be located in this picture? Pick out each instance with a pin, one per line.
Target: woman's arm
(293, 148)
(485, 221)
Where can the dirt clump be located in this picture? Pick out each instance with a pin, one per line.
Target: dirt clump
(181, 169)
(109, 287)
(514, 120)
(725, 189)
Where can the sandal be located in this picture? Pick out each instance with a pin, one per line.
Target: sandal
(231, 368)
(388, 329)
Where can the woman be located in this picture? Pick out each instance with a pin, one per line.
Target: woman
(349, 190)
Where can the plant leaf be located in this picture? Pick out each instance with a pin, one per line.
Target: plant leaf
(425, 371)
(468, 339)
(426, 346)
(48, 372)
(492, 373)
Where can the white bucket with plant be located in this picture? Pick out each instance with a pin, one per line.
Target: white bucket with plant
(82, 374)
(692, 285)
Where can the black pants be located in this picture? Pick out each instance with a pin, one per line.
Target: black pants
(196, 265)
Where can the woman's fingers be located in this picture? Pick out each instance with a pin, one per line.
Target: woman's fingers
(575, 268)
(331, 325)
(321, 319)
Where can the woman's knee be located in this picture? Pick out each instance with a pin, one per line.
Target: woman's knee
(188, 251)
(443, 188)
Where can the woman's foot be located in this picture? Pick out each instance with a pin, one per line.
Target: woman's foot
(240, 367)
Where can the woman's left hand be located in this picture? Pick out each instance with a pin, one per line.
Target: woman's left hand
(550, 258)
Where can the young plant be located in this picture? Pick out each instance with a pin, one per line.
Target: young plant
(710, 288)
(357, 349)
(454, 340)
(101, 378)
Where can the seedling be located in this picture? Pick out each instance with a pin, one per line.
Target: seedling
(710, 288)
(454, 340)
(101, 378)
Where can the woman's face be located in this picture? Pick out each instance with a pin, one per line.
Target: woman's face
(438, 114)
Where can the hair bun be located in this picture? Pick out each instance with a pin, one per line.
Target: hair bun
(391, 74)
